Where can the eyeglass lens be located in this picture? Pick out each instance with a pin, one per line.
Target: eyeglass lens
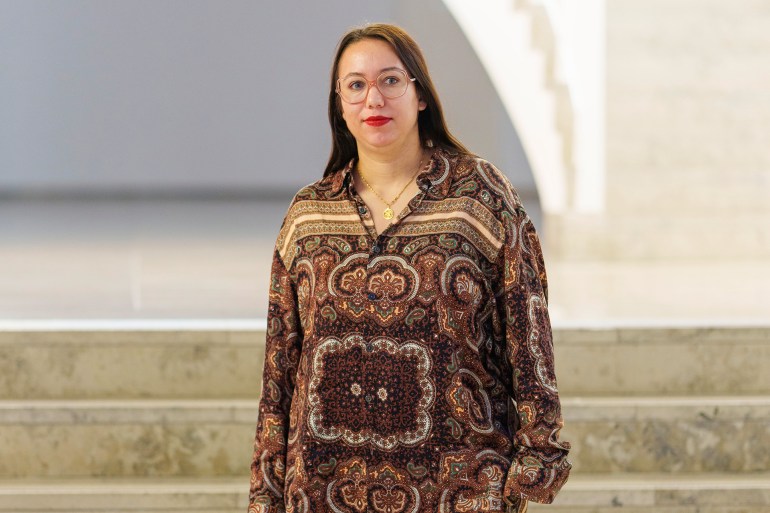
(391, 84)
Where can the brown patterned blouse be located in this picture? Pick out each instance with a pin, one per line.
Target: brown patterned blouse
(411, 371)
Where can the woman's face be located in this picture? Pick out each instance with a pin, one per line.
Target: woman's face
(378, 123)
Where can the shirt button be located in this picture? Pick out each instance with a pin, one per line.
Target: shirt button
(362, 210)
(372, 296)
(369, 398)
(376, 249)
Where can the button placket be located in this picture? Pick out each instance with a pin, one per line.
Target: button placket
(374, 252)
(363, 211)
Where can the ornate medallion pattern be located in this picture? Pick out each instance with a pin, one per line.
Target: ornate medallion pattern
(376, 392)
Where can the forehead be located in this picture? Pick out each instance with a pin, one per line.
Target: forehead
(368, 56)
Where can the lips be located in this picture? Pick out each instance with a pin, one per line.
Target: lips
(376, 120)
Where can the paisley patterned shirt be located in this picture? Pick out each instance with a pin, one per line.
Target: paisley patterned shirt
(411, 371)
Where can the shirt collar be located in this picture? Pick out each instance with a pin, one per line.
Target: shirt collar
(341, 179)
(434, 180)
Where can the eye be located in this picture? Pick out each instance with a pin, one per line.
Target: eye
(355, 85)
(391, 80)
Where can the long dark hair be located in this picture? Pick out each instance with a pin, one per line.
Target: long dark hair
(431, 122)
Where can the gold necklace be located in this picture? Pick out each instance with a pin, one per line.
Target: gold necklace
(388, 212)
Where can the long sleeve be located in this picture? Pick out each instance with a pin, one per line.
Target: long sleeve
(282, 351)
(540, 466)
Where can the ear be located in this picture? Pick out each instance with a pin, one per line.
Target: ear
(422, 105)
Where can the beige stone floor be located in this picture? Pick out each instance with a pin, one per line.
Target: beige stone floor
(141, 260)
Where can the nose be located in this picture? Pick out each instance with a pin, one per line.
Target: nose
(374, 97)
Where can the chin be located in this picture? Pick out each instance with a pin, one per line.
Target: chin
(379, 142)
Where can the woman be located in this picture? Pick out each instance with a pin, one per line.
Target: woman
(409, 364)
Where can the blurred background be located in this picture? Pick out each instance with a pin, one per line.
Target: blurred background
(148, 152)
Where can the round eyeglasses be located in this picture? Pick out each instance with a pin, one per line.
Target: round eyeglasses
(390, 83)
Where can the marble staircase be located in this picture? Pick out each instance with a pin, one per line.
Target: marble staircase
(157, 421)
(688, 167)
(115, 421)
(665, 420)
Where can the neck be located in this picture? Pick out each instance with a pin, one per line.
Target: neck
(386, 170)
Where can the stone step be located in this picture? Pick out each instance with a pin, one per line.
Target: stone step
(583, 493)
(687, 44)
(60, 439)
(656, 295)
(697, 29)
(666, 131)
(133, 363)
(212, 495)
(668, 434)
(659, 236)
(662, 493)
(669, 361)
(189, 364)
(647, 61)
(181, 438)
(674, 190)
(687, 100)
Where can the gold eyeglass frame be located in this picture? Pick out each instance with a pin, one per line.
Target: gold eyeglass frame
(370, 83)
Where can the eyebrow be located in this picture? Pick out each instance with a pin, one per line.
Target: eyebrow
(383, 70)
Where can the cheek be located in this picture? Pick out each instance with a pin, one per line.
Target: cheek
(346, 114)
(351, 115)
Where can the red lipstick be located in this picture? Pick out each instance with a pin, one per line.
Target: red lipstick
(376, 120)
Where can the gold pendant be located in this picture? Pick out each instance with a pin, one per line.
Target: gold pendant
(388, 213)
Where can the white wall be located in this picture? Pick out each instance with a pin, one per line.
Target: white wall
(203, 95)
